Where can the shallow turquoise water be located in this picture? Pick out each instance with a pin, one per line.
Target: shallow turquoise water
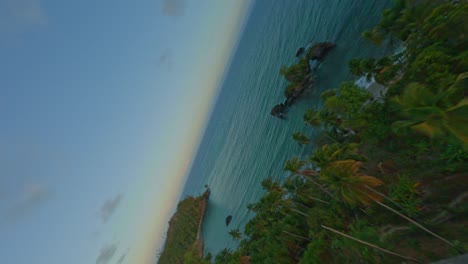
(243, 144)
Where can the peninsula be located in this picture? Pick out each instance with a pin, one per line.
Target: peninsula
(184, 243)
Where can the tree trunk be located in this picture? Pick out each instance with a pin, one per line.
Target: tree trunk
(297, 236)
(297, 211)
(409, 219)
(294, 201)
(384, 196)
(416, 224)
(369, 244)
(317, 199)
(319, 185)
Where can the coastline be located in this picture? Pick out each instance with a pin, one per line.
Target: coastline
(199, 245)
(184, 241)
(384, 166)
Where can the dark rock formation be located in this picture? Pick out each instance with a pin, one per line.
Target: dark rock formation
(289, 101)
(207, 193)
(228, 219)
(314, 55)
(299, 51)
(278, 110)
(298, 90)
(319, 50)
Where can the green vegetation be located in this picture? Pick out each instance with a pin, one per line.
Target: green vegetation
(301, 138)
(235, 234)
(299, 75)
(182, 244)
(297, 72)
(387, 182)
(295, 75)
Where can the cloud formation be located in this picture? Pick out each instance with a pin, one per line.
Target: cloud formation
(106, 253)
(122, 257)
(21, 15)
(173, 7)
(32, 197)
(109, 207)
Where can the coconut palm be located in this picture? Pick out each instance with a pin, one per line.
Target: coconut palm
(434, 114)
(235, 234)
(353, 187)
(333, 152)
(295, 165)
(346, 181)
(369, 244)
(301, 138)
(312, 118)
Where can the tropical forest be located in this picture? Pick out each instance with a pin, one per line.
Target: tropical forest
(183, 243)
(387, 181)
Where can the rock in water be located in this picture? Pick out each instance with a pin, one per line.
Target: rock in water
(299, 51)
(278, 110)
(228, 219)
(319, 50)
(314, 55)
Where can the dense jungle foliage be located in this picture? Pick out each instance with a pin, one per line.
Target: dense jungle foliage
(388, 180)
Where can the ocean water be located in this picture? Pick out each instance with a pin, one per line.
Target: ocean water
(243, 144)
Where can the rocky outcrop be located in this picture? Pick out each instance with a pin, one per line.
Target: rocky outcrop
(298, 90)
(319, 50)
(314, 55)
(299, 51)
(278, 110)
(228, 219)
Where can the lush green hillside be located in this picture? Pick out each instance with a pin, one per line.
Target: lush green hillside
(388, 181)
(182, 241)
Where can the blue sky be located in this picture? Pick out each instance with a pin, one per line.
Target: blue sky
(102, 105)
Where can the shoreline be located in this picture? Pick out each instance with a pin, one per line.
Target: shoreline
(184, 240)
(199, 243)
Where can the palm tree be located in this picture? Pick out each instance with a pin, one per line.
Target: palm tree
(353, 187)
(312, 118)
(295, 165)
(368, 244)
(223, 256)
(235, 234)
(433, 114)
(333, 152)
(301, 138)
(348, 183)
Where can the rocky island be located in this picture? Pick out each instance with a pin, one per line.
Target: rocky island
(300, 76)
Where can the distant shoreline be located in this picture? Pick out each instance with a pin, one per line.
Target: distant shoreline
(184, 241)
(199, 243)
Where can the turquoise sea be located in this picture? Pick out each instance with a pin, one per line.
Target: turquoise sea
(243, 144)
